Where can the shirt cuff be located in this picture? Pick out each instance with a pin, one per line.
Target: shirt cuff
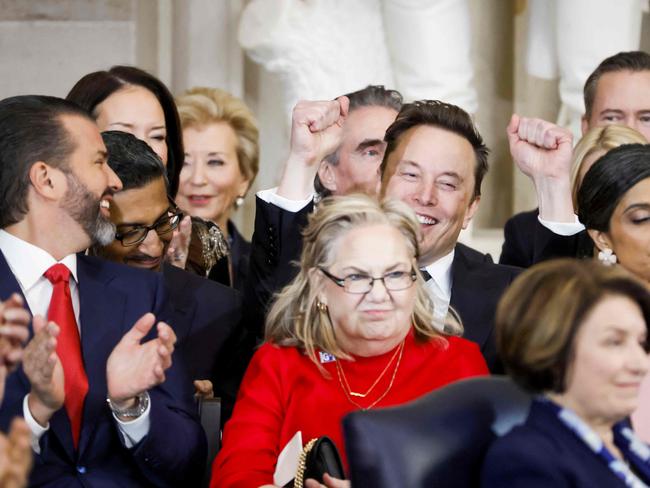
(271, 196)
(34, 426)
(563, 228)
(133, 431)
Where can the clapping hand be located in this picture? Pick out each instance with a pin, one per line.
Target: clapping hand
(14, 332)
(543, 152)
(44, 371)
(134, 367)
(15, 455)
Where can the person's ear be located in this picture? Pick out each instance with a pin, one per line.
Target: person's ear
(327, 176)
(584, 124)
(601, 239)
(471, 210)
(47, 181)
(242, 187)
(316, 283)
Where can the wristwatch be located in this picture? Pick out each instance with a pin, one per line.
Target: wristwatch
(141, 404)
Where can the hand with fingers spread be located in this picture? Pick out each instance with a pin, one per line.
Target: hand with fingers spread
(179, 247)
(15, 455)
(43, 368)
(543, 152)
(134, 367)
(316, 132)
(330, 482)
(14, 332)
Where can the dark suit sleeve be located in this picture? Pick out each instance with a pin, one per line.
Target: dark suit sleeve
(275, 247)
(517, 244)
(549, 245)
(490, 348)
(174, 451)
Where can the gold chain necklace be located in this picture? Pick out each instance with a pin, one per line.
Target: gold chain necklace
(372, 387)
(339, 370)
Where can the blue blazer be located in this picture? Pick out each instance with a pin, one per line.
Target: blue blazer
(544, 453)
(112, 297)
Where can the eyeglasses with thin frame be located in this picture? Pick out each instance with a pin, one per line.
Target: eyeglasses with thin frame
(164, 225)
(360, 283)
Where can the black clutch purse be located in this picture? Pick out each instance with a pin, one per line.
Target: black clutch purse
(319, 456)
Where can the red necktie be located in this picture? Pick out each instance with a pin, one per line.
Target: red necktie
(68, 346)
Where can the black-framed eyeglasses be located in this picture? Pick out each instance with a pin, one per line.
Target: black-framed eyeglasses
(362, 283)
(164, 225)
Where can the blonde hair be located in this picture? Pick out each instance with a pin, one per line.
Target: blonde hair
(200, 107)
(294, 319)
(599, 139)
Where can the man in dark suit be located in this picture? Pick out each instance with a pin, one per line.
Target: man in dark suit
(206, 313)
(434, 161)
(616, 92)
(99, 387)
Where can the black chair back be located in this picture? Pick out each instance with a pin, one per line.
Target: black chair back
(439, 440)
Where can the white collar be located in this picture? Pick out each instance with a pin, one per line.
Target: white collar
(29, 262)
(440, 271)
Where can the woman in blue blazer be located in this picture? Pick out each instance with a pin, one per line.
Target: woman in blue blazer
(575, 332)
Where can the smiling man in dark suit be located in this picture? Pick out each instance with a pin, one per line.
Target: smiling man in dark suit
(98, 387)
(434, 161)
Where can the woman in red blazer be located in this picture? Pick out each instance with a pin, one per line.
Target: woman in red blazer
(352, 331)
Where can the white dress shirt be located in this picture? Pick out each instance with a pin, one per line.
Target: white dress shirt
(29, 263)
(439, 288)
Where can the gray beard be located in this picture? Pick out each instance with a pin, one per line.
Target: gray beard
(83, 207)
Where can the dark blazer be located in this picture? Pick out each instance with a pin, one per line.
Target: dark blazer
(477, 286)
(544, 453)
(477, 283)
(528, 242)
(240, 250)
(112, 297)
(206, 314)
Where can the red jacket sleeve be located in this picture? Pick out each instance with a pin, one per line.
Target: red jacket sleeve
(251, 437)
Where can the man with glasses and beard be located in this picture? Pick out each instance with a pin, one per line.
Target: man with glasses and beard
(99, 388)
(206, 313)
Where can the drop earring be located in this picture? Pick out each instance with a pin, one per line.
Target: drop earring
(607, 257)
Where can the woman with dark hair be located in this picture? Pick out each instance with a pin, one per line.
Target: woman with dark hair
(131, 100)
(576, 334)
(614, 205)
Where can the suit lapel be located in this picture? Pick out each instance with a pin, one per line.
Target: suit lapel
(101, 313)
(9, 284)
(467, 293)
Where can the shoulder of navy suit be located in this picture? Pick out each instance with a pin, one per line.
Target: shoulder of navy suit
(544, 445)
